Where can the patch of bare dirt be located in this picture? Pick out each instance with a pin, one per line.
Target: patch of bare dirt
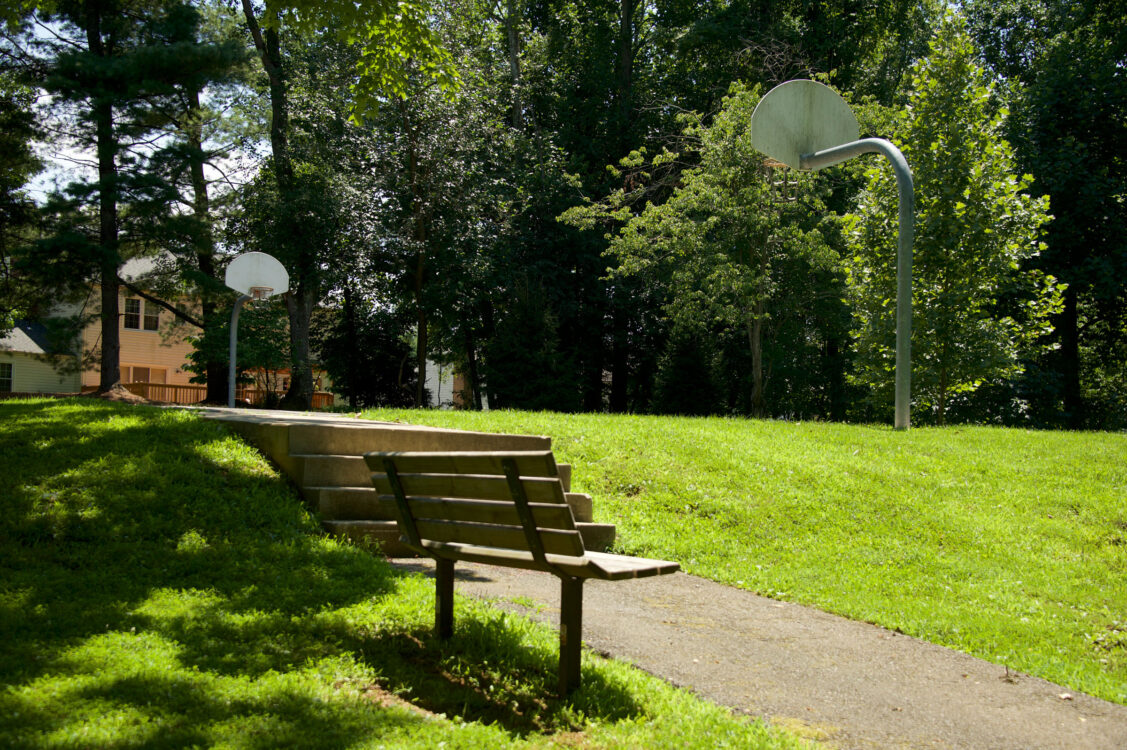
(387, 699)
(120, 394)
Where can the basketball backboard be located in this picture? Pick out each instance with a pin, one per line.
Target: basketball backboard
(257, 275)
(801, 117)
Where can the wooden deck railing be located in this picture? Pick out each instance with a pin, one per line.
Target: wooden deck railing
(193, 394)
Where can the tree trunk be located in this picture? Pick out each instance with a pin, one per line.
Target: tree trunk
(420, 337)
(619, 367)
(594, 344)
(269, 50)
(624, 86)
(941, 417)
(1069, 326)
(488, 329)
(474, 399)
(625, 73)
(215, 370)
(755, 341)
(420, 236)
(304, 286)
(102, 112)
(299, 306)
(352, 331)
(835, 372)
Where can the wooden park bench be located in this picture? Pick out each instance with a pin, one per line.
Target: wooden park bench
(498, 508)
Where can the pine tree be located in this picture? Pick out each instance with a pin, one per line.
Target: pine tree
(975, 308)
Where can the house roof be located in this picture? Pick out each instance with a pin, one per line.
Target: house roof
(29, 338)
(136, 269)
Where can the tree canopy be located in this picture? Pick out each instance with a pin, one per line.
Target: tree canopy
(977, 305)
(408, 161)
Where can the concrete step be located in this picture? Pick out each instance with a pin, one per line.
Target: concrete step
(326, 470)
(384, 534)
(565, 476)
(345, 503)
(582, 509)
(282, 435)
(323, 454)
(343, 438)
(359, 503)
(597, 537)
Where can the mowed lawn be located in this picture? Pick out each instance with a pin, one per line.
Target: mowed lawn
(161, 586)
(1007, 544)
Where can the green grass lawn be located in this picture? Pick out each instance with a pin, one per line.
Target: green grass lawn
(161, 586)
(1007, 544)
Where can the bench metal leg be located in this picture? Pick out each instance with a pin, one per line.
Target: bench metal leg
(571, 632)
(444, 598)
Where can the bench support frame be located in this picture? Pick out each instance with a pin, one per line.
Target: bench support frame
(571, 632)
(443, 597)
(571, 620)
(571, 564)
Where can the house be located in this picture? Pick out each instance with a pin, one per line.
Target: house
(154, 351)
(445, 387)
(26, 354)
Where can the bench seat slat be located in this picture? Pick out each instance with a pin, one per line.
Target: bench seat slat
(529, 463)
(620, 567)
(597, 565)
(538, 489)
(546, 515)
(494, 535)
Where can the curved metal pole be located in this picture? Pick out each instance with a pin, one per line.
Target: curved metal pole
(829, 156)
(234, 336)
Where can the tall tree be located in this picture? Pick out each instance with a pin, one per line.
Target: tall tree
(1065, 66)
(395, 39)
(113, 68)
(198, 140)
(101, 77)
(727, 254)
(976, 232)
(17, 131)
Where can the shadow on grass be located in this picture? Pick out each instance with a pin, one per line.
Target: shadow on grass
(489, 672)
(168, 712)
(154, 570)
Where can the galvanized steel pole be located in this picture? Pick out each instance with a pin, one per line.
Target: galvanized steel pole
(234, 336)
(819, 159)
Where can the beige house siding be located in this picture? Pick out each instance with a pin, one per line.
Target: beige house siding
(31, 375)
(146, 356)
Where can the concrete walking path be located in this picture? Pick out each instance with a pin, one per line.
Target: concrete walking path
(849, 684)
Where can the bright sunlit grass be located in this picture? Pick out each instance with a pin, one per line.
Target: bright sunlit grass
(1007, 544)
(161, 586)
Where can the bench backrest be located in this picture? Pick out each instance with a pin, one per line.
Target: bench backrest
(508, 500)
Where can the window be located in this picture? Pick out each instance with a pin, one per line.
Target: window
(133, 314)
(134, 319)
(5, 377)
(139, 374)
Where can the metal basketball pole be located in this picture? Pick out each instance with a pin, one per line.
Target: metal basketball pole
(906, 235)
(234, 337)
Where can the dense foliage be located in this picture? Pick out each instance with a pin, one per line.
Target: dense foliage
(977, 306)
(417, 163)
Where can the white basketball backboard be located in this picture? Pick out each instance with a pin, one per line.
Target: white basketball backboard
(801, 117)
(258, 275)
